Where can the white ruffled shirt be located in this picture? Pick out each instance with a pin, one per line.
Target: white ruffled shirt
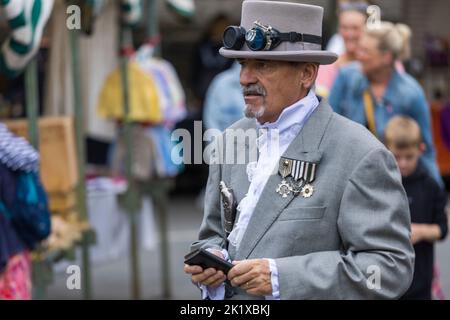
(273, 142)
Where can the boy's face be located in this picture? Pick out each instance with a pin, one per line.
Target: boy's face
(407, 158)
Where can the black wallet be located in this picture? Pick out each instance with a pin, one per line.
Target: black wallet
(206, 259)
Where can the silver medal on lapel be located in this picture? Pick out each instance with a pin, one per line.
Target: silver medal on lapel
(307, 191)
(284, 169)
(303, 174)
(297, 172)
(309, 175)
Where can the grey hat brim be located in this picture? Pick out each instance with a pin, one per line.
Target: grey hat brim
(320, 57)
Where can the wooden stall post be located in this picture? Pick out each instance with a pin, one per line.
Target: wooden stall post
(41, 271)
(81, 159)
(126, 40)
(32, 101)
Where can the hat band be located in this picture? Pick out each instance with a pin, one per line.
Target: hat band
(263, 38)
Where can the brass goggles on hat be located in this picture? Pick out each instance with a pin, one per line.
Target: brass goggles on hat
(262, 38)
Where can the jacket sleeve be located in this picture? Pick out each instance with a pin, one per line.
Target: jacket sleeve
(376, 260)
(439, 212)
(211, 231)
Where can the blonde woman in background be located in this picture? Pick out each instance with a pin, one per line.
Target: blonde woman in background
(373, 91)
(352, 17)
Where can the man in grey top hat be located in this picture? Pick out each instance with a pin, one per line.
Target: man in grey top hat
(321, 212)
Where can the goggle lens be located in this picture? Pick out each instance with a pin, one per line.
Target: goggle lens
(234, 38)
(256, 39)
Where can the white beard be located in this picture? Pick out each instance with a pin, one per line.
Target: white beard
(252, 114)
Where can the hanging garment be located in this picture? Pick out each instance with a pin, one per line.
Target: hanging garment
(151, 148)
(27, 19)
(176, 111)
(98, 58)
(170, 91)
(131, 11)
(143, 151)
(143, 97)
(161, 137)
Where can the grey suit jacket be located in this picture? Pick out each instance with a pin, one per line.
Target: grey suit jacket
(334, 245)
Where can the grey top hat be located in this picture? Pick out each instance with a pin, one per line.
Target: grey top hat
(286, 17)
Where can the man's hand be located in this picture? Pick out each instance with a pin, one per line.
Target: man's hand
(209, 277)
(253, 276)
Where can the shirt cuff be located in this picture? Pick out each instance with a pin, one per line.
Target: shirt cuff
(219, 292)
(224, 252)
(274, 279)
(213, 293)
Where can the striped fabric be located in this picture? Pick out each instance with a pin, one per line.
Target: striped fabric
(16, 153)
(131, 11)
(27, 19)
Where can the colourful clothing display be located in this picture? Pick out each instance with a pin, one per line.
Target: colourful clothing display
(157, 103)
(168, 86)
(27, 19)
(144, 101)
(163, 151)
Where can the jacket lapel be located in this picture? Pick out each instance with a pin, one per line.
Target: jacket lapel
(304, 147)
(239, 176)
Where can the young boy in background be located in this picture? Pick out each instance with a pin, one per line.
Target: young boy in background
(427, 201)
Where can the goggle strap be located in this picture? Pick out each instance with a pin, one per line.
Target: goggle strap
(300, 37)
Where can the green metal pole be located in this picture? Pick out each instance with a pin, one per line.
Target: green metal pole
(32, 101)
(126, 40)
(81, 159)
(161, 200)
(161, 203)
(39, 273)
(153, 23)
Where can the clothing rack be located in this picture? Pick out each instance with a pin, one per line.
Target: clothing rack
(42, 275)
(157, 189)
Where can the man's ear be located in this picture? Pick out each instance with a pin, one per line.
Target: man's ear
(309, 74)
